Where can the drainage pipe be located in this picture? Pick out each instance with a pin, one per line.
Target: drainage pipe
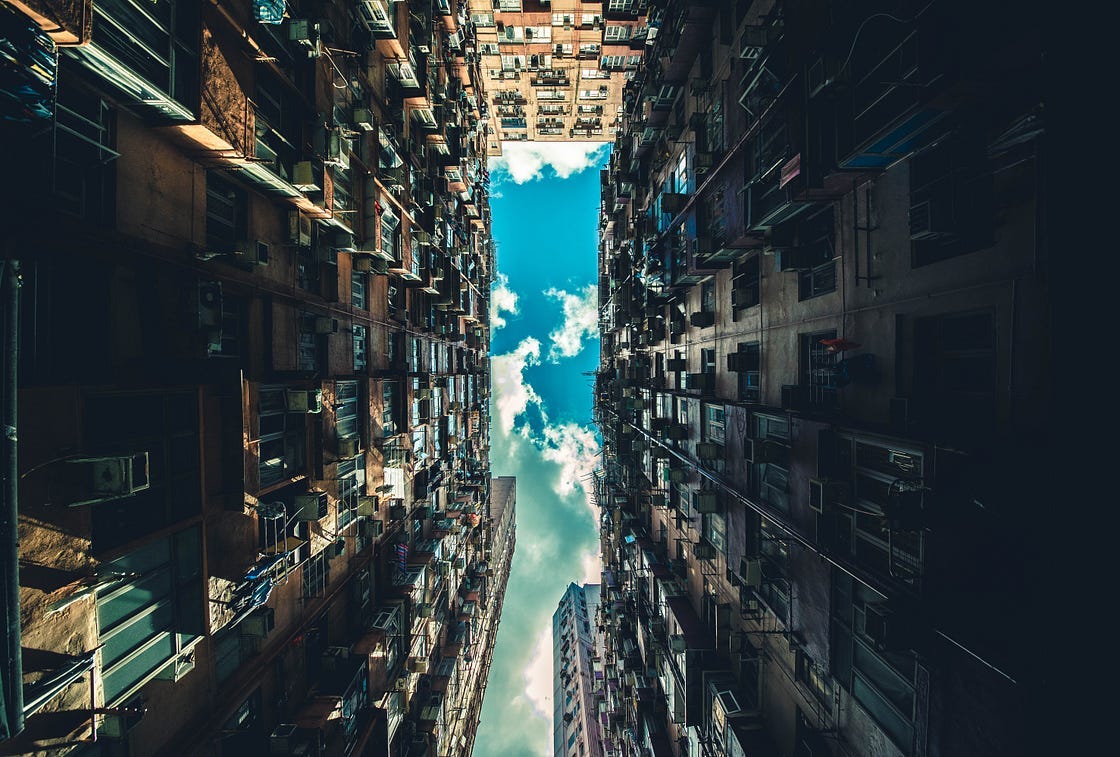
(11, 677)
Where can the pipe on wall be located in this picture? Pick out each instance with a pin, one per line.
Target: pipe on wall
(11, 677)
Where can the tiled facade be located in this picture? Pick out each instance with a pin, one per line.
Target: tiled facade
(825, 372)
(253, 378)
(577, 674)
(555, 70)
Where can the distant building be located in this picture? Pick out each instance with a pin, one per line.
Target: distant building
(576, 674)
(824, 380)
(554, 71)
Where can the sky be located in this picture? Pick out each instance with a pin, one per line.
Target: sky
(545, 341)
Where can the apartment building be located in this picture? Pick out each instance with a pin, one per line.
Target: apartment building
(248, 342)
(577, 674)
(824, 380)
(555, 70)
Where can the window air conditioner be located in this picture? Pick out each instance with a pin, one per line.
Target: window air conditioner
(310, 507)
(304, 400)
(348, 447)
(326, 325)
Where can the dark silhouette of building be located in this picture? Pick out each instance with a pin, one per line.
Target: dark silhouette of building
(824, 380)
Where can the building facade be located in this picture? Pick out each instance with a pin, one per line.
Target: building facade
(254, 258)
(824, 376)
(555, 70)
(577, 674)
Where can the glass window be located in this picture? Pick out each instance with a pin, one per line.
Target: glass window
(714, 423)
(361, 337)
(358, 290)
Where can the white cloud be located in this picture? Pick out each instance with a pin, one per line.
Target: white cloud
(575, 450)
(591, 567)
(501, 298)
(581, 319)
(538, 676)
(525, 161)
(512, 393)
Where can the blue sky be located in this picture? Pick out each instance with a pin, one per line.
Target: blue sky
(545, 200)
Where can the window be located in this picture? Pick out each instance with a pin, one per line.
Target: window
(227, 215)
(708, 297)
(146, 623)
(308, 358)
(272, 121)
(390, 236)
(707, 361)
(815, 243)
(882, 681)
(83, 159)
(872, 467)
(748, 361)
(713, 423)
(770, 477)
(955, 372)
(316, 574)
(483, 20)
(814, 677)
(744, 284)
(617, 33)
(157, 42)
(816, 281)
(390, 399)
(358, 290)
(346, 409)
(952, 199)
(282, 437)
(818, 370)
(714, 528)
(774, 551)
(361, 337)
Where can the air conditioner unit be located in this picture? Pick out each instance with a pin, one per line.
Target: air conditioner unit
(259, 624)
(370, 529)
(677, 643)
(703, 319)
(363, 119)
(348, 447)
(425, 610)
(112, 477)
(708, 502)
(326, 325)
(743, 362)
(311, 507)
(304, 400)
(367, 506)
(401, 683)
(930, 220)
(460, 563)
(372, 15)
(750, 572)
(704, 551)
(709, 451)
(417, 664)
(303, 177)
(299, 229)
